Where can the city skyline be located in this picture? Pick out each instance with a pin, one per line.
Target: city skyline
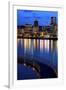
(37, 35)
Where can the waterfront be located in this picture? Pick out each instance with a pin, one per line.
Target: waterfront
(37, 51)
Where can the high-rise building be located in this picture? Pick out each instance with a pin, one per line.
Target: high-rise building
(35, 23)
(53, 25)
(36, 26)
(53, 21)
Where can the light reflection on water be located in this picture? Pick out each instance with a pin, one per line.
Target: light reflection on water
(44, 51)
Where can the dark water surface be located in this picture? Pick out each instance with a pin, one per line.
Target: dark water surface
(39, 53)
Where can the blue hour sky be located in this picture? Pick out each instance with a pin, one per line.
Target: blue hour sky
(29, 16)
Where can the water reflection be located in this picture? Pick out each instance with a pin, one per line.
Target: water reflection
(44, 51)
(37, 43)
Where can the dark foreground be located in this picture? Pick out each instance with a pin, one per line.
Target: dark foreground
(35, 70)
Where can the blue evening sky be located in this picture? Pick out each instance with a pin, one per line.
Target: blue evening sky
(29, 16)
